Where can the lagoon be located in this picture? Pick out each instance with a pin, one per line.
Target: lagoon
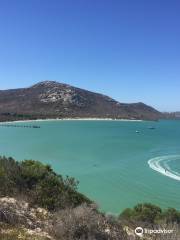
(118, 163)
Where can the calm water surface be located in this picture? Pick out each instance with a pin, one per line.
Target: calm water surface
(108, 158)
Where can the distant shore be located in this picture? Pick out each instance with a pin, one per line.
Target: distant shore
(74, 119)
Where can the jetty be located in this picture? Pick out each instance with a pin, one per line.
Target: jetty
(19, 126)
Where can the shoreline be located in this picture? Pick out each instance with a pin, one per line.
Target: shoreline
(74, 119)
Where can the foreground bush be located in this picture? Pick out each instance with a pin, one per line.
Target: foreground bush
(66, 214)
(85, 222)
(39, 184)
(149, 213)
(18, 220)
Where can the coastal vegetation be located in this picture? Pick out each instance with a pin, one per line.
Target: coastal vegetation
(37, 203)
(151, 214)
(34, 200)
(39, 184)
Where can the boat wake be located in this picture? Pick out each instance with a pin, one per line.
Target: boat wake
(160, 164)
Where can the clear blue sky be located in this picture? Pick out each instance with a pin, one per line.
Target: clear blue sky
(127, 49)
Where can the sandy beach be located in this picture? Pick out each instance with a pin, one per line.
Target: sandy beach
(73, 119)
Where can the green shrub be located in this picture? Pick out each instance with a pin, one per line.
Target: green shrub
(39, 183)
(127, 214)
(142, 212)
(149, 213)
(171, 215)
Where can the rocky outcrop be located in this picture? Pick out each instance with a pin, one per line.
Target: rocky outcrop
(31, 222)
(20, 221)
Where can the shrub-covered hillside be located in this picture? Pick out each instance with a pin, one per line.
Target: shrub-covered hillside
(38, 184)
(38, 204)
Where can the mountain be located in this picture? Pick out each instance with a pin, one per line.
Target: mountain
(50, 99)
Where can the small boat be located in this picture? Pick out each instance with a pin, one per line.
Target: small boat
(35, 126)
(137, 131)
(151, 128)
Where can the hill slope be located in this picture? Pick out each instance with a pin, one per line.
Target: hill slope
(38, 204)
(51, 99)
(172, 115)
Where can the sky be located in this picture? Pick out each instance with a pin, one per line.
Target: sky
(127, 49)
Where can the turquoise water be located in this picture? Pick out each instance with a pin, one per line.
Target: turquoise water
(108, 158)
